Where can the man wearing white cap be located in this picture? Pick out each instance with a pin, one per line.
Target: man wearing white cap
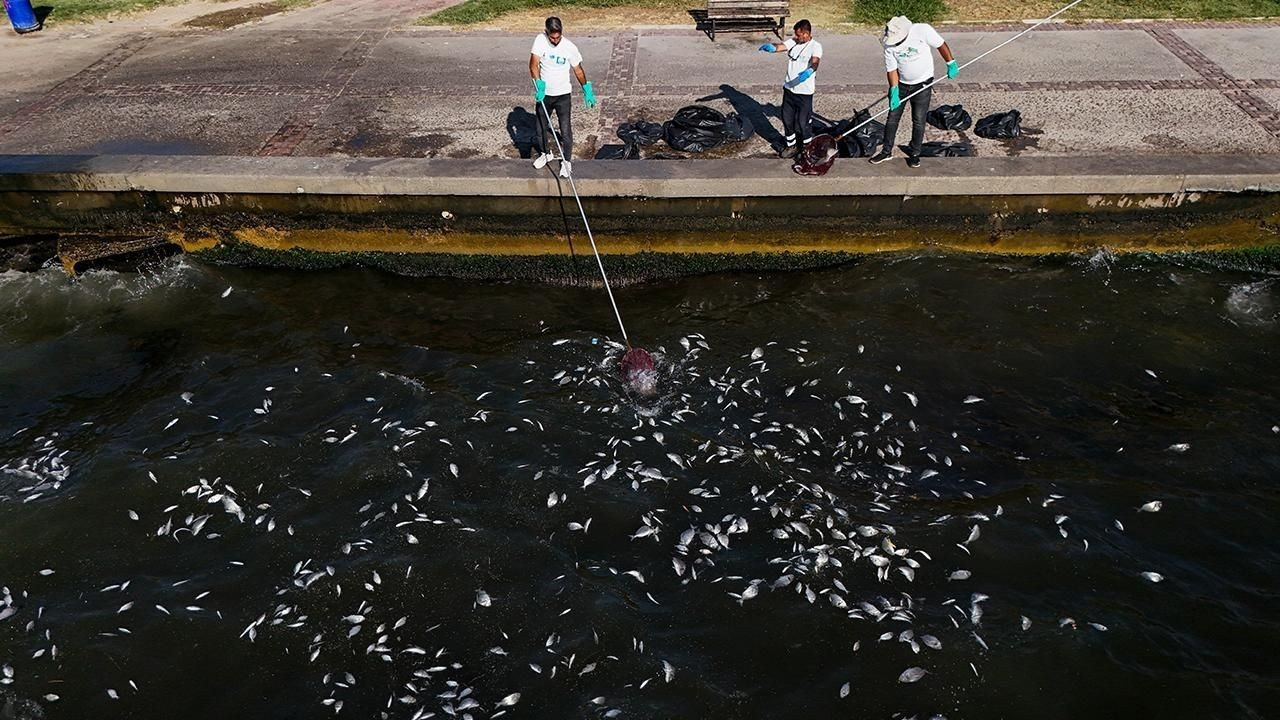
(908, 60)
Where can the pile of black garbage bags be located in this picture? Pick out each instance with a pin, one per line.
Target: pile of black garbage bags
(955, 117)
(866, 140)
(694, 129)
(698, 128)
(994, 127)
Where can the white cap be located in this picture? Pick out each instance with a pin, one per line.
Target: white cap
(896, 30)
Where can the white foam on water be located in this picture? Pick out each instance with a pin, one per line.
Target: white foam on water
(50, 292)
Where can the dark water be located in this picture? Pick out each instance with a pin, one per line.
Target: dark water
(366, 451)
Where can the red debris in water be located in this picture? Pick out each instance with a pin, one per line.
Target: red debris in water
(636, 360)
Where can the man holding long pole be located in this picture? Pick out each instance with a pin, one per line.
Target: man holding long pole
(550, 60)
(908, 61)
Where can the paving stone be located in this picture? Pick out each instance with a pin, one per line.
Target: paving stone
(1244, 53)
(140, 125)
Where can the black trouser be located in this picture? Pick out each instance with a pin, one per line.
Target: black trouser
(562, 106)
(919, 109)
(796, 109)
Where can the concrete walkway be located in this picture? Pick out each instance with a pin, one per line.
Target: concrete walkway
(355, 78)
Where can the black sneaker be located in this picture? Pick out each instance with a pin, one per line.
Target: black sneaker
(913, 161)
(790, 151)
(880, 157)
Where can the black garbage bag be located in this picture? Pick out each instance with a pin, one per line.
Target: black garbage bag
(1000, 125)
(629, 151)
(943, 149)
(695, 128)
(737, 128)
(640, 133)
(950, 117)
(869, 136)
(693, 140)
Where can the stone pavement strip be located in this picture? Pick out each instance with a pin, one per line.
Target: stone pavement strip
(355, 78)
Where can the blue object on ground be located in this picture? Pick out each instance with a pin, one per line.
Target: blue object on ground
(21, 15)
(767, 47)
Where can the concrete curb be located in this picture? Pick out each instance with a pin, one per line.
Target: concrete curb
(977, 177)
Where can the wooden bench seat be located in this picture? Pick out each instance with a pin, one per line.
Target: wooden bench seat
(746, 15)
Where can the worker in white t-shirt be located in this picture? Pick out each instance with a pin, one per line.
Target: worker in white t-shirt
(804, 54)
(908, 60)
(552, 57)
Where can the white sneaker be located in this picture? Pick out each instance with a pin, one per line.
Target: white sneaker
(566, 167)
(542, 160)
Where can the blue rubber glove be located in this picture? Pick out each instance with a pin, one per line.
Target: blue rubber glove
(953, 69)
(767, 47)
(539, 90)
(589, 95)
(895, 100)
(808, 72)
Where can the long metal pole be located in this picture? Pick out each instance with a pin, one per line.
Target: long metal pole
(976, 59)
(573, 186)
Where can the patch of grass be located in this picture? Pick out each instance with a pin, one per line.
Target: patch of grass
(966, 10)
(478, 11)
(1195, 9)
(876, 12)
(84, 10)
(80, 10)
(863, 12)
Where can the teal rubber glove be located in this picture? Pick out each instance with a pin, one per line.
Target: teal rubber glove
(589, 95)
(767, 47)
(895, 99)
(953, 69)
(539, 90)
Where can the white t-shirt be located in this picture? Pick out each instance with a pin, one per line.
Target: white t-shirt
(798, 56)
(913, 57)
(555, 61)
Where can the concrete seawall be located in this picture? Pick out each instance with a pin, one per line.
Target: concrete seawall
(339, 209)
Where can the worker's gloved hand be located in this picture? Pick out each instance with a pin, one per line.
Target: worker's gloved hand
(808, 72)
(767, 47)
(953, 69)
(539, 90)
(895, 99)
(589, 95)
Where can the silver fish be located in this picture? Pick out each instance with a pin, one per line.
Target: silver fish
(912, 674)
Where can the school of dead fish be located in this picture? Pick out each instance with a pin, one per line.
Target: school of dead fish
(832, 509)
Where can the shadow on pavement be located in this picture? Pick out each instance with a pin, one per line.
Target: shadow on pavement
(522, 126)
(751, 109)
